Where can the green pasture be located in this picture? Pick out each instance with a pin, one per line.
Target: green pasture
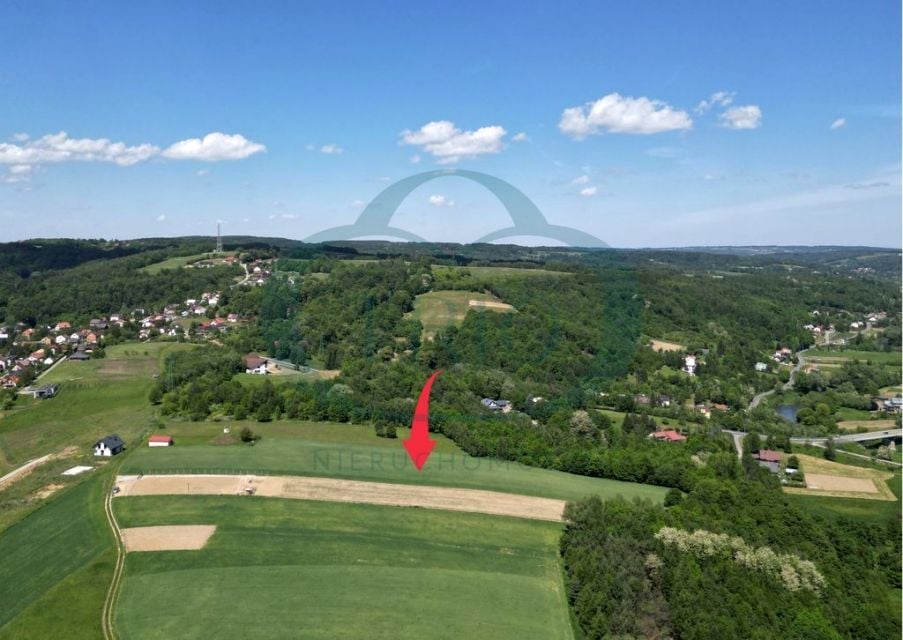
(437, 310)
(298, 569)
(357, 454)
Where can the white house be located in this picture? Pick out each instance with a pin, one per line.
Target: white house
(690, 365)
(109, 446)
(158, 440)
(761, 366)
(255, 364)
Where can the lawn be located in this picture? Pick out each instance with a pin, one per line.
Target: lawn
(877, 511)
(289, 569)
(437, 310)
(345, 451)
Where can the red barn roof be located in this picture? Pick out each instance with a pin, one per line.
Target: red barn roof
(160, 438)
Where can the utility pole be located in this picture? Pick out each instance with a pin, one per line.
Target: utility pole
(219, 239)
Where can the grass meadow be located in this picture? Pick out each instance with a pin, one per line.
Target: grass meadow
(437, 310)
(296, 569)
(355, 453)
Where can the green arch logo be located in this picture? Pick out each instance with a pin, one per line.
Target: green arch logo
(526, 217)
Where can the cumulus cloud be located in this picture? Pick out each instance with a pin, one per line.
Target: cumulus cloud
(747, 117)
(331, 149)
(59, 147)
(839, 123)
(584, 179)
(441, 201)
(589, 192)
(615, 113)
(443, 140)
(717, 99)
(21, 137)
(161, 217)
(214, 147)
(521, 137)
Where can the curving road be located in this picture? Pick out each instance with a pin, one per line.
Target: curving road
(800, 363)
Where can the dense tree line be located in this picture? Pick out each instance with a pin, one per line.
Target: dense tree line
(623, 582)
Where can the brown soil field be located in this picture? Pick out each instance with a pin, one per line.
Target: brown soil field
(167, 538)
(334, 490)
(489, 304)
(663, 345)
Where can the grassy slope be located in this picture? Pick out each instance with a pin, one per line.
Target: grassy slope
(439, 309)
(878, 357)
(359, 455)
(321, 570)
(96, 398)
(172, 263)
(501, 273)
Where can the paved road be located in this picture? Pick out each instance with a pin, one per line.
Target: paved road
(852, 437)
(800, 363)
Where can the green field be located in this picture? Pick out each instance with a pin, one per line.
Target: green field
(501, 273)
(877, 511)
(96, 398)
(437, 310)
(878, 357)
(359, 455)
(296, 569)
(54, 567)
(173, 263)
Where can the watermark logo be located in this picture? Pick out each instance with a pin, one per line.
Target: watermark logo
(526, 218)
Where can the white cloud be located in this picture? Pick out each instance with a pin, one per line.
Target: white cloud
(584, 179)
(59, 147)
(717, 99)
(161, 217)
(521, 137)
(415, 159)
(214, 147)
(21, 137)
(331, 149)
(589, 192)
(449, 144)
(616, 114)
(441, 201)
(358, 203)
(20, 168)
(17, 174)
(202, 172)
(839, 123)
(748, 117)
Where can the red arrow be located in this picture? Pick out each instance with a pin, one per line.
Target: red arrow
(420, 445)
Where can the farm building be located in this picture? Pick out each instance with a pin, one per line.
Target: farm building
(769, 459)
(255, 364)
(42, 391)
(109, 446)
(668, 436)
(496, 405)
(158, 440)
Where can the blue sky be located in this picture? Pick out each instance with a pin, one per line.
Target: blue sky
(644, 124)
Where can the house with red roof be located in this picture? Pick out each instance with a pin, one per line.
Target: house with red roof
(668, 436)
(769, 459)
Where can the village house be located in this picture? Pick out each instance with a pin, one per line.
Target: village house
(690, 365)
(761, 367)
(109, 446)
(769, 459)
(668, 436)
(62, 326)
(496, 405)
(255, 364)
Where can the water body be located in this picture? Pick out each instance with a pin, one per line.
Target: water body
(787, 411)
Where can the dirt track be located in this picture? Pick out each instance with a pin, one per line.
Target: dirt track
(839, 483)
(334, 490)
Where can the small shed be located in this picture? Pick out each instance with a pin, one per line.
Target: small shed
(109, 446)
(160, 440)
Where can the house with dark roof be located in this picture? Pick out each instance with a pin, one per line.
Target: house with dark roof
(109, 446)
(255, 364)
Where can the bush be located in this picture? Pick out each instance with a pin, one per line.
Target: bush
(247, 435)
